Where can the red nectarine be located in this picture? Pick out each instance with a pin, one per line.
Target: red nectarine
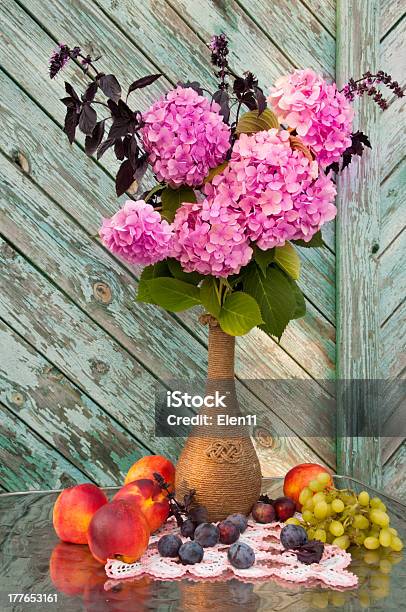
(149, 498)
(74, 509)
(146, 466)
(299, 477)
(119, 530)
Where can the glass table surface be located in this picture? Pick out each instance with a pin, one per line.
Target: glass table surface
(35, 564)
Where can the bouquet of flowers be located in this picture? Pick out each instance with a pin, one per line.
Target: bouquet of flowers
(235, 191)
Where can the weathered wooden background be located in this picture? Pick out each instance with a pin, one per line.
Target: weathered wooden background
(79, 357)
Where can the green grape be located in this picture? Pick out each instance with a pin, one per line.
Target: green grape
(360, 522)
(343, 542)
(396, 544)
(311, 533)
(379, 518)
(320, 534)
(375, 502)
(371, 543)
(337, 505)
(305, 494)
(359, 538)
(324, 478)
(315, 486)
(308, 516)
(321, 510)
(385, 566)
(330, 538)
(382, 507)
(363, 498)
(319, 497)
(309, 504)
(336, 528)
(385, 537)
(292, 521)
(329, 510)
(393, 531)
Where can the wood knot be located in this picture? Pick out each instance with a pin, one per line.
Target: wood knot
(102, 292)
(22, 161)
(17, 398)
(264, 438)
(99, 367)
(225, 451)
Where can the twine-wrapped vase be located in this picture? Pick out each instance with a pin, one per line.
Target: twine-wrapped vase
(219, 461)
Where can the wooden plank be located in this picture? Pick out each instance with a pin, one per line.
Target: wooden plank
(392, 285)
(394, 474)
(308, 45)
(27, 462)
(392, 144)
(25, 70)
(393, 53)
(391, 12)
(393, 336)
(46, 401)
(393, 205)
(358, 215)
(325, 12)
(65, 336)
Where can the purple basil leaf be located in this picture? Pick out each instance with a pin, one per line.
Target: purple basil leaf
(69, 90)
(221, 97)
(119, 128)
(69, 102)
(192, 85)
(113, 108)
(92, 141)
(311, 552)
(87, 119)
(71, 122)
(141, 166)
(335, 167)
(110, 87)
(239, 86)
(261, 100)
(90, 92)
(104, 146)
(133, 151)
(119, 149)
(143, 82)
(124, 178)
(124, 110)
(248, 98)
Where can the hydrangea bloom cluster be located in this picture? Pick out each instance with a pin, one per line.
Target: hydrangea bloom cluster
(209, 239)
(137, 233)
(321, 115)
(275, 190)
(185, 137)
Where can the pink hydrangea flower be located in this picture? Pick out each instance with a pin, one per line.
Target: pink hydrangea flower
(275, 192)
(209, 239)
(320, 114)
(185, 137)
(137, 233)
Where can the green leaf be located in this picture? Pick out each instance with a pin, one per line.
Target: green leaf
(315, 242)
(158, 269)
(250, 122)
(275, 297)
(173, 294)
(173, 198)
(153, 191)
(177, 271)
(300, 310)
(239, 314)
(215, 171)
(287, 258)
(263, 258)
(209, 296)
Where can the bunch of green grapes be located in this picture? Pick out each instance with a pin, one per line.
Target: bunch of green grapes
(343, 518)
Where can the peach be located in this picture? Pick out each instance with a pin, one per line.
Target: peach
(118, 530)
(74, 509)
(146, 466)
(299, 477)
(148, 497)
(73, 569)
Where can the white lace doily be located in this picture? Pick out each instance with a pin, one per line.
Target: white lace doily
(271, 560)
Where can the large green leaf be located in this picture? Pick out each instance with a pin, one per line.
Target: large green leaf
(173, 198)
(300, 310)
(209, 296)
(275, 296)
(250, 122)
(173, 294)
(287, 258)
(239, 314)
(148, 273)
(177, 272)
(315, 242)
(263, 258)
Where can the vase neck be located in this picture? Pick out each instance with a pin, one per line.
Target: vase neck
(221, 354)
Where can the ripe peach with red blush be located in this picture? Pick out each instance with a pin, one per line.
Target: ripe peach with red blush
(146, 466)
(118, 530)
(299, 477)
(149, 498)
(74, 509)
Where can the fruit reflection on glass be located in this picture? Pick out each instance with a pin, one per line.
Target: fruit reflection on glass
(73, 569)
